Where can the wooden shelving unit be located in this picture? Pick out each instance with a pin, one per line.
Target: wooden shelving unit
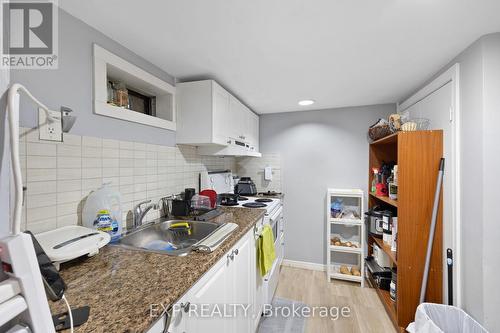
(387, 249)
(387, 200)
(385, 297)
(417, 155)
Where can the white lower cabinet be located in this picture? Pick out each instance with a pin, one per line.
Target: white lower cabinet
(218, 301)
(240, 273)
(158, 326)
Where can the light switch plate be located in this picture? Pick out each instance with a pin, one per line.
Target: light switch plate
(50, 131)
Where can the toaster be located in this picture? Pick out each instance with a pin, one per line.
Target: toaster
(245, 186)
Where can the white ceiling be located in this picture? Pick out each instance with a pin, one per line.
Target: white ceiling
(274, 53)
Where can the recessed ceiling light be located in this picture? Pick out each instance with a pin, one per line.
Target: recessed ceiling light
(306, 102)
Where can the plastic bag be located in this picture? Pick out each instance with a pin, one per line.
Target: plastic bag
(438, 318)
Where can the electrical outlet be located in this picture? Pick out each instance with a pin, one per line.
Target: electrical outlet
(50, 131)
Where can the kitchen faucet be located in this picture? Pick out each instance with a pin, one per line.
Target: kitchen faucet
(139, 212)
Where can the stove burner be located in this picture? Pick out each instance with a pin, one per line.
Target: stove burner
(229, 204)
(264, 200)
(254, 205)
(242, 199)
(269, 193)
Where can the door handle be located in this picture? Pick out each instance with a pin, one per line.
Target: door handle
(185, 306)
(168, 318)
(230, 256)
(235, 251)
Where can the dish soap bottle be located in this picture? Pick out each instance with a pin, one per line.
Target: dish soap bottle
(102, 211)
(374, 181)
(105, 223)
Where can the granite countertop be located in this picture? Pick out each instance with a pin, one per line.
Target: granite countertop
(120, 284)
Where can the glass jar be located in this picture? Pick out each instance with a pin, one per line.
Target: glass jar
(121, 94)
(111, 92)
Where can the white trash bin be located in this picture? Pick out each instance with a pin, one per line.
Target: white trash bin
(438, 318)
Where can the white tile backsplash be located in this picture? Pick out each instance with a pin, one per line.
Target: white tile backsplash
(41, 213)
(40, 200)
(254, 168)
(65, 150)
(41, 187)
(41, 149)
(64, 173)
(69, 162)
(72, 140)
(59, 176)
(110, 153)
(69, 185)
(92, 151)
(39, 175)
(110, 143)
(41, 162)
(90, 141)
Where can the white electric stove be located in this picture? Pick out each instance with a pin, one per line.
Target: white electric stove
(221, 182)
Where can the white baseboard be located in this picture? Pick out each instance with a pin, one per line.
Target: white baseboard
(304, 265)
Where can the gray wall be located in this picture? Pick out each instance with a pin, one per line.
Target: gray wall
(491, 181)
(480, 102)
(71, 85)
(319, 150)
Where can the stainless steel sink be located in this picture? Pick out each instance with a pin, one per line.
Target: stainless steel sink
(159, 237)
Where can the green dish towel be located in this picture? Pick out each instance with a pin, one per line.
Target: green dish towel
(265, 250)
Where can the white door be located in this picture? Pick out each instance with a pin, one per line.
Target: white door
(214, 292)
(238, 121)
(437, 106)
(254, 130)
(247, 124)
(242, 277)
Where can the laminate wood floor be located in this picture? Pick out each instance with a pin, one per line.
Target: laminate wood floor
(367, 314)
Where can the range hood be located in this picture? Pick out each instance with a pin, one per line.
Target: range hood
(236, 149)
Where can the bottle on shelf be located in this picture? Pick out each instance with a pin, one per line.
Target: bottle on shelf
(375, 180)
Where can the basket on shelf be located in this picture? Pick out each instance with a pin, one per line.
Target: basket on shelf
(379, 130)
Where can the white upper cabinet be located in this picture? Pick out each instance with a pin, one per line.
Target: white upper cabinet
(254, 130)
(221, 113)
(208, 115)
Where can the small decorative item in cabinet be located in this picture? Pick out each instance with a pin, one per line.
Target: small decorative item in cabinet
(121, 94)
(345, 235)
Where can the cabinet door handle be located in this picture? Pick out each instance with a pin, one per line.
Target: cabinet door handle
(236, 251)
(230, 256)
(185, 306)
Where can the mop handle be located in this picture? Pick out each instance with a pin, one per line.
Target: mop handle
(430, 241)
(449, 263)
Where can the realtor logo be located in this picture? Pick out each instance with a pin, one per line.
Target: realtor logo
(29, 35)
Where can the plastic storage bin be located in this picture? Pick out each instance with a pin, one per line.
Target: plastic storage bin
(438, 318)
